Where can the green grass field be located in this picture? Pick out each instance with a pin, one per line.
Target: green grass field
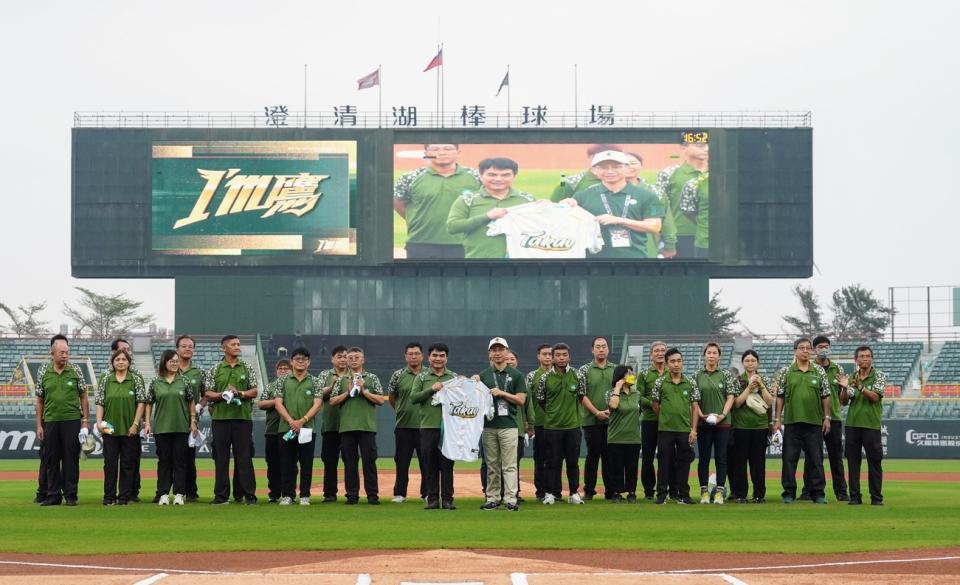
(917, 515)
(540, 184)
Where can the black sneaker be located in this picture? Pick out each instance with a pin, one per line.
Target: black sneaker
(193, 498)
(843, 498)
(328, 499)
(513, 508)
(156, 499)
(351, 502)
(804, 496)
(587, 497)
(855, 502)
(373, 500)
(432, 505)
(273, 500)
(660, 501)
(70, 502)
(123, 502)
(38, 499)
(136, 499)
(51, 502)
(876, 503)
(449, 505)
(250, 501)
(631, 498)
(648, 497)
(684, 501)
(740, 500)
(615, 499)
(491, 505)
(109, 502)
(216, 502)
(759, 500)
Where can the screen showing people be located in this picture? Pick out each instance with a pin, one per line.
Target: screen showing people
(246, 198)
(552, 201)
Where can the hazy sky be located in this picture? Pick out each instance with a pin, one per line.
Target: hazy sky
(879, 77)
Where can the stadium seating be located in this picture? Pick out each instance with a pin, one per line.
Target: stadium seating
(944, 377)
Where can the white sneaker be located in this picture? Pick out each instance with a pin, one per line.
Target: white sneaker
(398, 499)
(285, 501)
(704, 497)
(575, 499)
(304, 501)
(548, 499)
(178, 500)
(164, 500)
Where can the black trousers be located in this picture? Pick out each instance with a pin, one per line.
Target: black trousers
(42, 475)
(596, 438)
(834, 443)
(712, 438)
(271, 453)
(357, 445)
(675, 459)
(807, 438)
(437, 470)
(648, 444)
(749, 447)
(407, 441)
(120, 455)
(171, 463)
(564, 447)
(292, 454)
(870, 442)
(330, 456)
(539, 461)
(624, 461)
(61, 458)
(190, 471)
(136, 474)
(685, 247)
(238, 436)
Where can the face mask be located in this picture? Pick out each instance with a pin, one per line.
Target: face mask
(630, 379)
(823, 353)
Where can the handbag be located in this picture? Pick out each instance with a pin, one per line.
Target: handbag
(756, 404)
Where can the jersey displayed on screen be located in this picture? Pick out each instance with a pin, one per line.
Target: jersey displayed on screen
(546, 231)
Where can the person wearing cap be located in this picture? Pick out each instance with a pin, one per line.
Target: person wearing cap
(170, 407)
(474, 210)
(864, 395)
(407, 427)
(559, 393)
(626, 213)
(623, 400)
(804, 390)
(687, 189)
(298, 399)
(833, 439)
(271, 433)
(570, 186)
(509, 391)
(535, 417)
(423, 197)
(676, 401)
(596, 415)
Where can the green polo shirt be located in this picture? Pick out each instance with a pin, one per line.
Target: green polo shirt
(743, 416)
(668, 230)
(194, 377)
(599, 382)
(329, 415)
(431, 413)
(298, 398)
(468, 218)
(833, 370)
(624, 428)
(645, 387)
(358, 413)
(511, 381)
(535, 413)
(633, 202)
(675, 399)
(429, 197)
(60, 392)
(223, 375)
(119, 399)
(802, 393)
(171, 404)
(560, 395)
(862, 413)
(683, 183)
(570, 186)
(272, 422)
(714, 388)
(400, 387)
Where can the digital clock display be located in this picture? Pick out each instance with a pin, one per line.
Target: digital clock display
(694, 137)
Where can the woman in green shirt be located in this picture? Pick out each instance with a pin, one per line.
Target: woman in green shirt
(713, 432)
(120, 399)
(623, 434)
(750, 431)
(171, 408)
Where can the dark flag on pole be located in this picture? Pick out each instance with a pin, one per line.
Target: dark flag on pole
(504, 83)
(436, 61)
(370, 80)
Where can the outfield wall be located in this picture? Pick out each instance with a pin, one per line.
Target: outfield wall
(902, 439)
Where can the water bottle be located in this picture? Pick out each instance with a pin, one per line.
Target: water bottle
(290, 435)
(106, 428)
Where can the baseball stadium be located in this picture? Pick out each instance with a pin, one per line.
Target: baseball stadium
(318, 250)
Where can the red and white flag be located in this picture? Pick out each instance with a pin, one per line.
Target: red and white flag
(436, 61)
(370, 80)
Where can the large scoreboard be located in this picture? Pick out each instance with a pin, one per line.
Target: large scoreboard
(721, 202)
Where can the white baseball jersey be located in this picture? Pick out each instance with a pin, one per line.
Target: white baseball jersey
(465, 403)
(544, 230)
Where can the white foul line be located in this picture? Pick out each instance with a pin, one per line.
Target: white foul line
(363, 579)
(152, 580)
(518, 579)
(731, 579)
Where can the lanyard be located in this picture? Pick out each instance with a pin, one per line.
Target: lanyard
(506, 380)
(606, 205)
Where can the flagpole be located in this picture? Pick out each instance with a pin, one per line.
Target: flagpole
(304, 95)
(509, 83)
(576, 122)
(379, 96)
(442, 96)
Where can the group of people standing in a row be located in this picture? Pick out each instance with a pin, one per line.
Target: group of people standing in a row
(629, 420)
